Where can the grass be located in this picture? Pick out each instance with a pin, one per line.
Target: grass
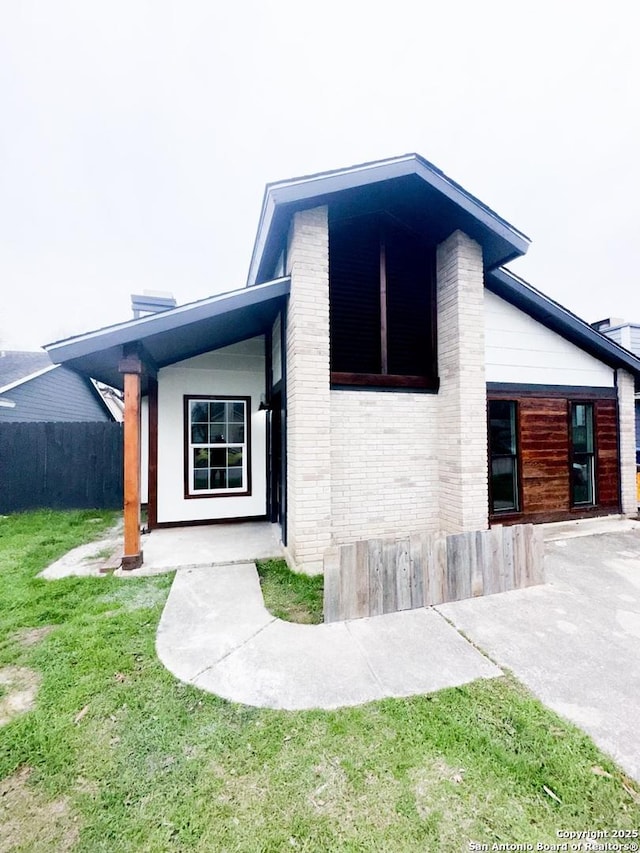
(118, 755)
(288, 595)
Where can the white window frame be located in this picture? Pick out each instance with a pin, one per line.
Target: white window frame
(190, 446)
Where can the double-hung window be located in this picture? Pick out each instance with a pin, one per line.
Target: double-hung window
(216, 446)
(503, 449)
(582, 455)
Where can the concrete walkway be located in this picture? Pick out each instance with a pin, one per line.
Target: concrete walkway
(575, 641)
(215, 633)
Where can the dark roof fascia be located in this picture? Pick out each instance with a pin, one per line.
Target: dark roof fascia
(527, 298)
(174, 318)
(305, 189)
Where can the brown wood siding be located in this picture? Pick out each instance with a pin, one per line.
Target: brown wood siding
(544, 460)
(544, 452)
(607, 467)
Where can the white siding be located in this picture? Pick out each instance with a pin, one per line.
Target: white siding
(238, 370)
(519, 349)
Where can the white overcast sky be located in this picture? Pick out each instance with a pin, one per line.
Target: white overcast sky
(136, 137)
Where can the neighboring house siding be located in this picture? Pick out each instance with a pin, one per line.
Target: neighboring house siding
(57, 395)
(519, 349)
(384, 464)
(238, 370)
(634, 343)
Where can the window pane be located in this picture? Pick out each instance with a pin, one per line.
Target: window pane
(218, 478)
(236, 412)
(234, 456)
(218, 412)
(582, 478)
(199, 412)
(217, 433)
(199, 434)
(235, 478)
(582, 427)
(503, 483)
(218, 457)
(201, 458)
(502, 426)
(201, 479)
(236, 434)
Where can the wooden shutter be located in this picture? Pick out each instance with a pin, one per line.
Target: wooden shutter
(409, 305)
(354, 295)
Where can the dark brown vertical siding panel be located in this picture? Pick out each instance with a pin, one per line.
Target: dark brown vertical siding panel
(152, 475)
(606, 440)
(544, 450)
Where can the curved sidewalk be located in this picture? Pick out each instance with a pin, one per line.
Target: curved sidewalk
(216, 634)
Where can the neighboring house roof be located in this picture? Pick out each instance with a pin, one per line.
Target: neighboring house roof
(49, 393)
(176, 334)
(16, 365)
(394, 180)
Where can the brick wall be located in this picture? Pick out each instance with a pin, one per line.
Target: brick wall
(308, 409)
(462, 434)
(369, 463)
(384, 467)
(626, 408)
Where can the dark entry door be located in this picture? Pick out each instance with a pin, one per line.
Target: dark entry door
(275, 453)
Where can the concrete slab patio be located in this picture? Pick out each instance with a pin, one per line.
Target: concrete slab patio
(172, 548)
(216, 633)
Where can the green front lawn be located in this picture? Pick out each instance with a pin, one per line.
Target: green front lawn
(116, 755)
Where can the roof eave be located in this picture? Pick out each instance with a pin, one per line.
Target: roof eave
(299, 190)
(527, 298)
(175, 318)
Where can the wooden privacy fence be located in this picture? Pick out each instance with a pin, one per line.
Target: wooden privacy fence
(381, 576)
(60, 466)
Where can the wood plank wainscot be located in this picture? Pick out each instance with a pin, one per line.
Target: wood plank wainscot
(377, 576)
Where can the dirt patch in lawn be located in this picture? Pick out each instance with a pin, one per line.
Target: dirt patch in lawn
(18, 690)
(28, 637)
(31, 822)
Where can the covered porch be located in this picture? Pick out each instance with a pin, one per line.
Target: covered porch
(173, 366)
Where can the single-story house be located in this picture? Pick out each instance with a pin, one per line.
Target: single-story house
(32, 388)
(381, 373)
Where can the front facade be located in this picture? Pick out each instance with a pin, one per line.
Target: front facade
(382, 374)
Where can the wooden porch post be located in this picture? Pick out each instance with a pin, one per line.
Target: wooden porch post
(131, 367)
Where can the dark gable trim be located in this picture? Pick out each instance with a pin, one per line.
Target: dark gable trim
(300, 192)
(166, 321)
(510, 390)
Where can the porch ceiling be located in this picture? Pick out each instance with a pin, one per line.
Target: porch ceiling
(174, 335)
